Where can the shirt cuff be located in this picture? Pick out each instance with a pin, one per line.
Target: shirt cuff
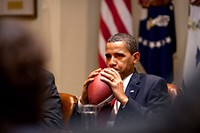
(79, 104)
(123, 106)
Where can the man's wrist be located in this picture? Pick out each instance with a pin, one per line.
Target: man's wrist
(124, 101)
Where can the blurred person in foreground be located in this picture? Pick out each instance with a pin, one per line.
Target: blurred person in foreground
(140, 96)
(51, 116)
(24, 84)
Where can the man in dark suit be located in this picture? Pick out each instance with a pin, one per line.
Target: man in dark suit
(140, 96)
(51, 116)
(28, 96)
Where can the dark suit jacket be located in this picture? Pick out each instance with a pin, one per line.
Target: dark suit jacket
(182, 117)
(51, 110)
(148, 96)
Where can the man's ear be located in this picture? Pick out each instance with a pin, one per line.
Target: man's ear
(136, 57)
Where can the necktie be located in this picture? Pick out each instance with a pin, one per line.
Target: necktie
(113, 102)
(115, 106)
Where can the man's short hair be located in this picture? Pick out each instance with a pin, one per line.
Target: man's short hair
(130, 41)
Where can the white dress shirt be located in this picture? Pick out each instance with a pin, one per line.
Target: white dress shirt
(125, 83)
(111, 120)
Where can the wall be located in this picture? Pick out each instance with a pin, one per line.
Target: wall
(69, 28)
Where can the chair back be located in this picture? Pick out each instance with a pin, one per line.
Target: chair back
(68, 102)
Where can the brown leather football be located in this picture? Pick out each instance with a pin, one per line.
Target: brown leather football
(98, 91)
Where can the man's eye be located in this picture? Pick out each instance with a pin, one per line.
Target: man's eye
(108, 56)
(119, 55)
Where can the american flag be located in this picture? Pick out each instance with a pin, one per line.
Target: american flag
(116, 17)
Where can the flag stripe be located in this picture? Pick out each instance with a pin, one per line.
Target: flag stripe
(102, 48)
(108, 18)
(102, 63)
(124, 15)
(128, 5)
(117, 19)
(104, 30)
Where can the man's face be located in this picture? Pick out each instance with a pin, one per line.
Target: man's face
(119, 58)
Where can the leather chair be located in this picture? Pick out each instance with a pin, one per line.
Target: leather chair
(68, 102)
(173, 90)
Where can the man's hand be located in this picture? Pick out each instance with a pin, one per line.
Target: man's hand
(84, 97)
(113, 78)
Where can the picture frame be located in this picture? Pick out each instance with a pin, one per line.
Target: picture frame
(26, 8)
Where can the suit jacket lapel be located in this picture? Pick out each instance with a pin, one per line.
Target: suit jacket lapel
(133, 85)
(131, 91)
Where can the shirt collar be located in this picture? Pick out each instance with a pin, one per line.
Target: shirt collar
(126, 81)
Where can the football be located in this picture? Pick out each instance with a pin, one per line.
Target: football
(99, 91)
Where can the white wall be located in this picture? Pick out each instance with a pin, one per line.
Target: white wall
(79, 35)
(181, 19)
(69, 28)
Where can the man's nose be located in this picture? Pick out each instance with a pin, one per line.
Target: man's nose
(112, 62)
